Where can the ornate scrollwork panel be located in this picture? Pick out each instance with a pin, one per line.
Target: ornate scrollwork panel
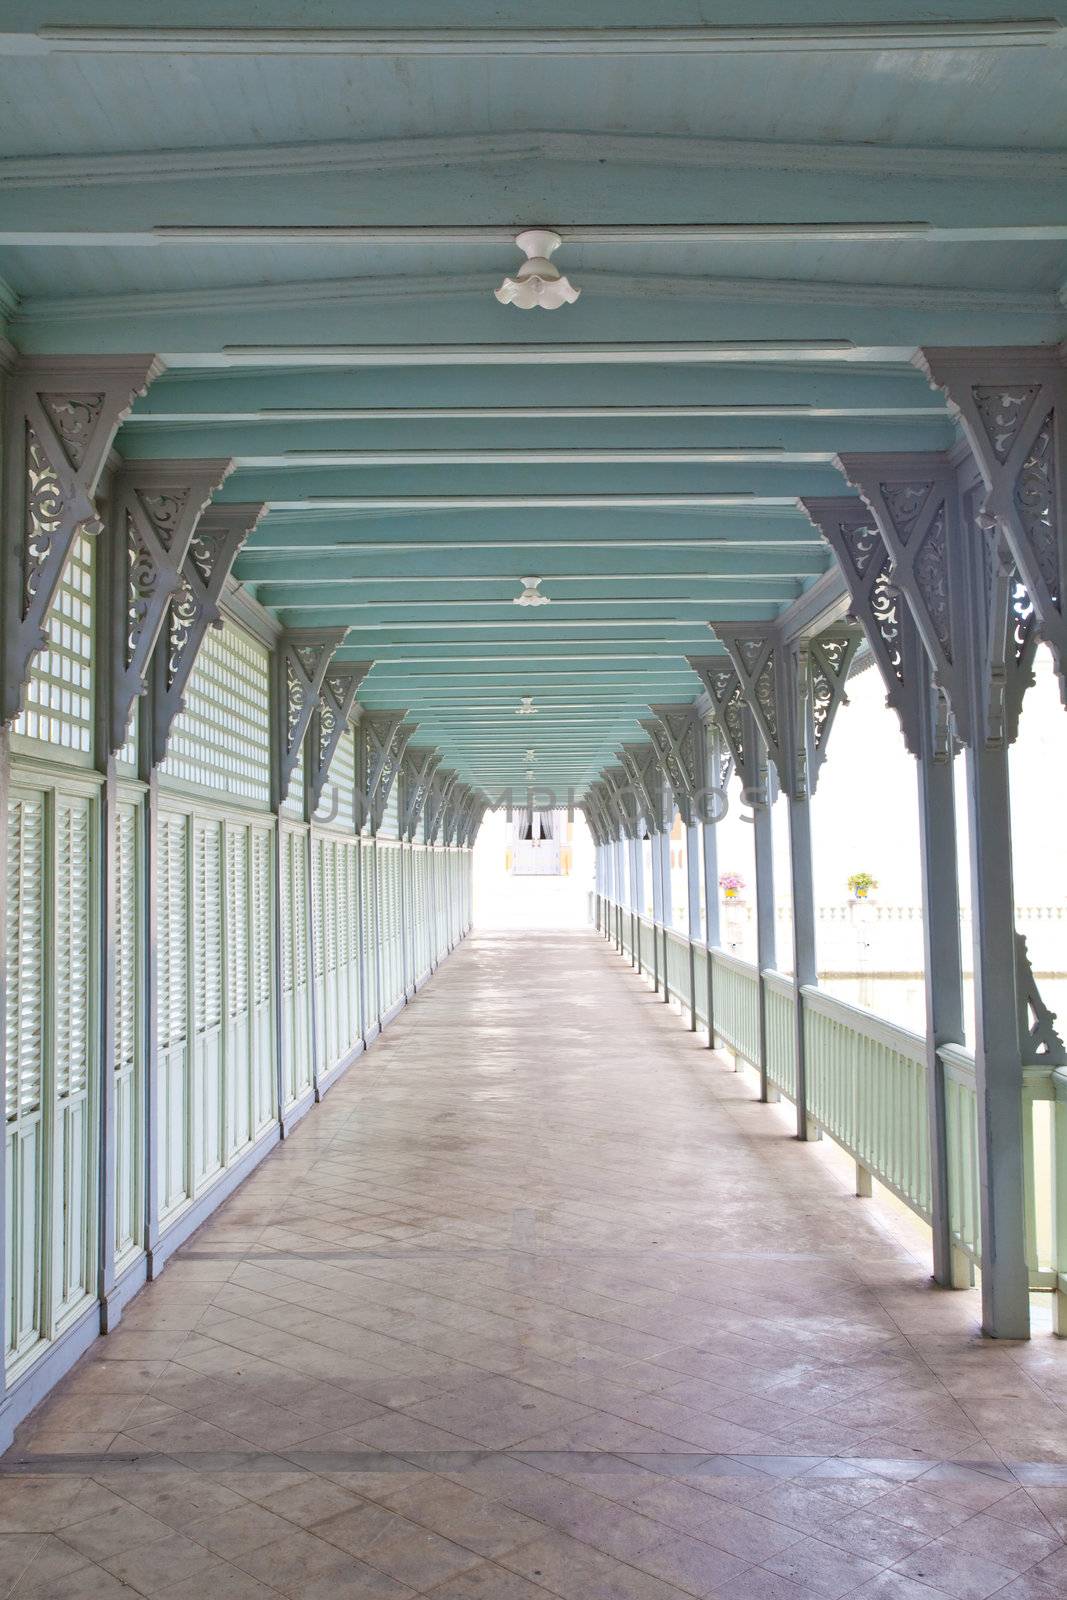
(329, 719)
(383, 736)
(416, 775)
(433, 815)
(193, 608)
(61, 417)
(1012, 405)
(758, 663)
(678, 734)
(302, 657)
(727, 695)
(1039, 1040)
(877, 604)
(154, 511)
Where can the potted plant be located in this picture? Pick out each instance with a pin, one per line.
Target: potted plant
(860, 885)
(731, 884)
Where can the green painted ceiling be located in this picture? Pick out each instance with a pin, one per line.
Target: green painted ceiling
(304, 210)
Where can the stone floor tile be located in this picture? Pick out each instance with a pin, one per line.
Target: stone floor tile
(152, 1569)
(944, 1565)
(546, 1289)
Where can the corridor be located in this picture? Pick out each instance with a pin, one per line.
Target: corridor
(541, 1300)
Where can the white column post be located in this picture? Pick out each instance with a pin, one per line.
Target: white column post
(761, 802)
(696, 930)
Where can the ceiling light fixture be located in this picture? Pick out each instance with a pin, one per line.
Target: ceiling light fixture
(531, 594)
(537, 282)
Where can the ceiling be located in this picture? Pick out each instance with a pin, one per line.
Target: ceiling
(306, 221)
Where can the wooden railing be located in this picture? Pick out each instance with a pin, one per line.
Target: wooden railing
(867, 1090)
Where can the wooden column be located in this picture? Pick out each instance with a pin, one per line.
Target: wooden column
(696, 927)
(942, 962)
(761, 802)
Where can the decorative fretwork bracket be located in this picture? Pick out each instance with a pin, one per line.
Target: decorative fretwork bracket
(61, 415)
(793, 688)
(625, 805)
(458, 798)
(473, 813)
(153, 512)
(434, 811)
(1039, 1042)
(852, 533)
(1012, 404)
(727, 696)
(302, 656)
(595, 805)
(331, 716)
(825, 662)
(678, 734)
(642, 767)
(417, 768)
(968, 605)
(469, 818)
(219, 536)
(620, 808)
(382, 737)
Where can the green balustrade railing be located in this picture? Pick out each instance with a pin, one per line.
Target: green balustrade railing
(735, 986)
(780, 1025)
(678, 974)
(867, 1089)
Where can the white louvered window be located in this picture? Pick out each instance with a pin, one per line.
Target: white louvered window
(25, 954)
(127, 941)
(261, 918)
(126, 1059)
(207, 927)
(172, 932)
(221, 741)
(59, 695)
(71, 947)
(236, 921)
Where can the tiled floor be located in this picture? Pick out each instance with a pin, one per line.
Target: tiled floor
(540, 1302)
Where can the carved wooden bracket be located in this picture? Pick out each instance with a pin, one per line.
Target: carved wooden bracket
(968, 605)
(599, 812)
(154, 508)
(625, 805)
(302, 656)
(476, 811)
(793, 688)
(1012, 405)
(849, 528)
(644, 773)
(1039, 1042)
(728, 705)
(678, 734)
(455, 802)
(219, 536)
(330, 718)
(61, 414)
(417, 768)
(382, 737)
(434, 810)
